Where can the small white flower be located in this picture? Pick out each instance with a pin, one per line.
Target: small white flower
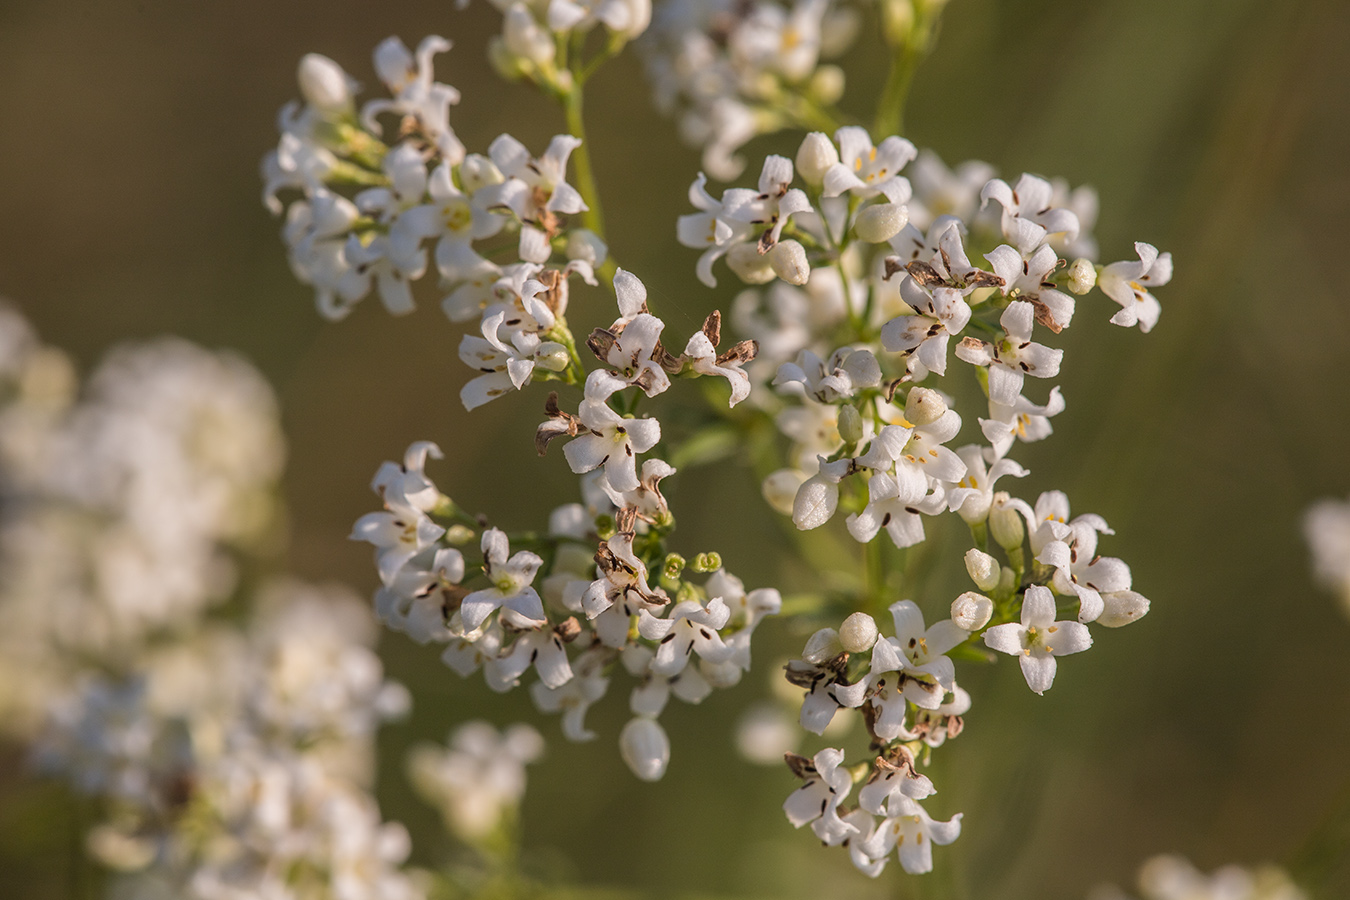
(912, 832)
(711, 228)
(610, 441)
(588, 685)
(974, 493)
(839, 377)
(1013, 357)
(865, 170)
(1039, 639)
(817, 801)
(916, 653)
(536, 190)
(1029, 218)
(511, 584)
(690, 628)
(409, 78)
(1128, 284)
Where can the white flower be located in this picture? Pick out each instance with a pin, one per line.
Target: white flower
(690, 628)
(1013, 357)
(505, 367)
(773, 204)
(1029, 219)
(536, 190)
(909, 829)
(711, 228)
(1028, 278)
(817, 801)
(455, 218)
(891, 777)
(922, 337)
(410, 79)
(511, 584)
(620, 593)
(941, 191)
(588, 685)
(540, 647)
(1039, 639)
(398, 535)
(1326, 527)
(610, 440)
(1023, 420)
(1080, 570)
(1128, 284)
(926, 675)
(974, 493)
(866, 171)
(839, 377)
(479, 778)
(626, 18)
(650, 697)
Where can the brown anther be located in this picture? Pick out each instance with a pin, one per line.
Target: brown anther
(568, 629)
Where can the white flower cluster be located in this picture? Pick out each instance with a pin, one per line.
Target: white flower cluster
(532, 32)
(730, 70)
(478, 780)
(888, 287)
(1176, 878)
(598, 608)
(425, 195)
(228, 761)
(1326, 527)
(124, 505)
(244, 786)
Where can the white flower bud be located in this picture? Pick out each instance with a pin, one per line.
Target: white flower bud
(815, 156)
(1082, 276)
(586, 245)
(503, 61)
(780, 489)
(749, 265)
(636, 15)
(725, 674)
(850, 424)
(815, 503)
(880, 222)
(477, 171)
(788, 259)
(924, 406)
(323, 84)
(827, 85)
(552, 356)
(644, 746)
(524, 38)
(1005, 522)
(858, 633)
(1122, 608)
(982, 568)
(1007, 581)
(972, 611)
(822, 647)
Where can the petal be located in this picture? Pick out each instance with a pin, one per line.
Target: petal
(1038, 670)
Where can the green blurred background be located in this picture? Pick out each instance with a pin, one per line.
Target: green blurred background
(1216, 129)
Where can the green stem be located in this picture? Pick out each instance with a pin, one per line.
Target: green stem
(593, 218)
(890, 118)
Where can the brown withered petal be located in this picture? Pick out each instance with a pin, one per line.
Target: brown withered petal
(1045, 317)
(801, 766)
(741, 353)
(601, 341)
(893, 265)
(924, 274)
(766, 242)
(661, 356)
(626, 520)
(954, 725)
(568, 629)
(712, 327)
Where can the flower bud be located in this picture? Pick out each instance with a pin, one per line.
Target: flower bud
(982, 568)
(586, 245)
(827, 85)
(780, 489)
(749, 264)
(788, 259)
(645, 748)
(477, 171)
(637, 15)
(880, 222)
(323, 84)
(524, 38)
(1082, 276)
(1005, 522)
(972, 611)
(815, 503)
(850, 424)
(924, 406)
(503, 61)
(1122, 608)
(858, 633)
(552, 356)
(815, 156)
(822, 647)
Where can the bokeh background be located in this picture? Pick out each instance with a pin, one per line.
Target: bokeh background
(1216, 129)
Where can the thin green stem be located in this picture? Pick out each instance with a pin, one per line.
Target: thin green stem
(593, 218)
(912, 49)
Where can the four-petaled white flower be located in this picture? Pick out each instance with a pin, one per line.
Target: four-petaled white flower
(1029, 216)
(1128, 284)
(916, 654)
(409, 78)
(536, 190)
(817, 801)
(691, 628)
(512, 584)
(611, 440)
(909, 829)
(841, 376)
(865, 170)
(1039, 639)
(1014, 357)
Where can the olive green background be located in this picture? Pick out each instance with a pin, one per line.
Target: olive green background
(1216, 727)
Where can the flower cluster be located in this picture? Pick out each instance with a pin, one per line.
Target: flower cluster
(127, 505)
(424, 200)
(1175, 878)
(477, 781)
(731, 71)
(1326, 527)
(251, 785)
(883, 264)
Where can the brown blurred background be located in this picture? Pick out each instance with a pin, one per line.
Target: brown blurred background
(1216, 129)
